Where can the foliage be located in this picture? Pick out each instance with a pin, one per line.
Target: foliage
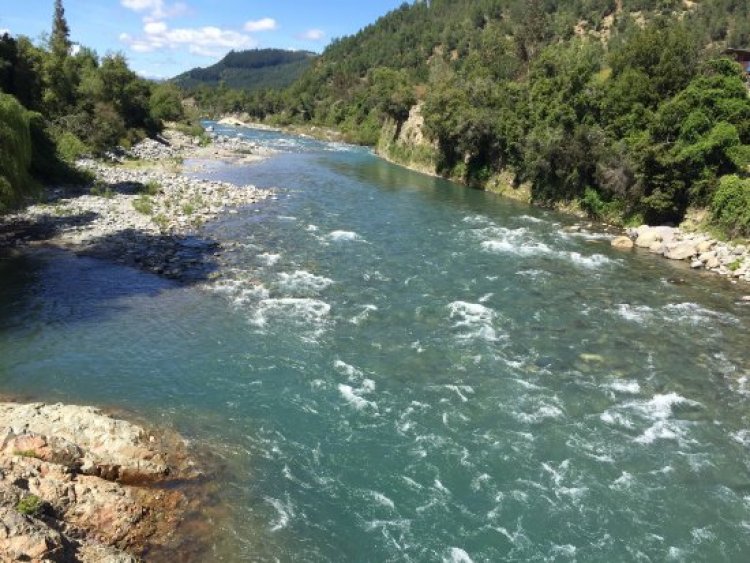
(70, 147)
(166, 102)
(626, 108)
(152, 187)
(15, 152)
(144, 205)
(69, 105)
(30, 505)
(255, 69)
(730, 206)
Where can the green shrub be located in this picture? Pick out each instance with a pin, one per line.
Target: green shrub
(15, 152)
(30, 505)
(144, 205)
(71, 148)
(152, 187)
(730, 205)
(103, 189)
(161, 221)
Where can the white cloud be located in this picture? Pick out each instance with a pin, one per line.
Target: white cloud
(312, 35)
(264, 24)
(155, 9)
(155, 28)
(207, 41)
(4, 31)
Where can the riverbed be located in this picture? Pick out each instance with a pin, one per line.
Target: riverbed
(392, 367)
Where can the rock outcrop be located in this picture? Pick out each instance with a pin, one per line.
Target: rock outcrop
(74, 485)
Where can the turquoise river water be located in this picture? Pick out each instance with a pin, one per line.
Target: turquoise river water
(396, 368)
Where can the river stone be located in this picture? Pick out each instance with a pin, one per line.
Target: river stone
(705, 246)
(647, 239)
(647, 236)
(657, 247)
(623, 243)
(695, 264)
(681, 251)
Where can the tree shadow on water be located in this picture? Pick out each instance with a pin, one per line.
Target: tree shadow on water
(49, 285)
(43, 227)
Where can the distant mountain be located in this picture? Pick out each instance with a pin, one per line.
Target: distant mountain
(255, 69)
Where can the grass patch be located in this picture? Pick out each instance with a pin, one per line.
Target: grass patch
(30, 505)
(102, 189)
(152, 187)
(734, 266)
(26, 453)
(188, 209)
(144, 205)
(161, 221)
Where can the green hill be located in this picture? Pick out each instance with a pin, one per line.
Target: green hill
(256, 69)
(624, 109)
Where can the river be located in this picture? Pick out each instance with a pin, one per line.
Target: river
(396, 368)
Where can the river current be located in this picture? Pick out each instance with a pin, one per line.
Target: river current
(396, 368)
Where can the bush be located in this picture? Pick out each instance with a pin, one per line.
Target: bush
(730, 205)
(71, 148)
(144, 205)
(30, 505)
(152, 187)
(166, 102)
(15, 152)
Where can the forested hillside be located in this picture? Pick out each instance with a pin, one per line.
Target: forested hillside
(625, 107)
(57, 103)
(255, 69)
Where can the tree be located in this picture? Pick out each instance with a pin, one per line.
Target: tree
(166, 102)
(59, 75)
(60, 39)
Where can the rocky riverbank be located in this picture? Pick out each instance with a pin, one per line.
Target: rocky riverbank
(700, 250)
(79, 485)
(141, 210)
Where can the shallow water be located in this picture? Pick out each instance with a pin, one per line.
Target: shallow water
(395, 368)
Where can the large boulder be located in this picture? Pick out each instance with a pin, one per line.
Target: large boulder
(681, 251)
(647, 236)
(622, 243)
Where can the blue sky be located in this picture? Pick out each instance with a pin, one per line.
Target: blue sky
(162, 38)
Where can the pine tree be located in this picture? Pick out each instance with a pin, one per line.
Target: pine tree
(60, 40)
(58, 71)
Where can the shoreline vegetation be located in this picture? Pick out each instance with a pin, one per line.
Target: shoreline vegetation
(692, 241)
(631, 112)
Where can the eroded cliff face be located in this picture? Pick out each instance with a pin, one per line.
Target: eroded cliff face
(408, 145)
